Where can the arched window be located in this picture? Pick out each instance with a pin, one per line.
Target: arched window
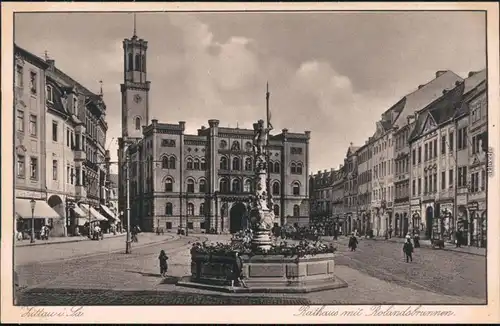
(137, 123)
(203, 164)
(171, 162)
(137, 62)
(164, 162)
(190, 185)
(296, 210)
(248, 164)
(295, 189)
(276, 210)
(223, 185)
(168, 209)
(202, 209)
(223, 163)
(270, 167)
(196, 164)
(143, 63)
(235, 146)
(202, 184)
(130, 62)
(276, 167)
(247, 186)
(189, 163)
(293, 168)
(190, 209)
(299, 168)
(276, 188)
(236, 164)
(169, 185)
(236, 185)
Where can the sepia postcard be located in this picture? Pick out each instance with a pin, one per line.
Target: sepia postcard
(250, 163)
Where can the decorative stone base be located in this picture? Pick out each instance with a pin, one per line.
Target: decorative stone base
(265, 274)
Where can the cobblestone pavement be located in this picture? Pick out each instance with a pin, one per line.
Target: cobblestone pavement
(68, 250)
(99, 297)
(445, 272)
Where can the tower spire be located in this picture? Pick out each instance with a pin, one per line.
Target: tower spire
(135, 26)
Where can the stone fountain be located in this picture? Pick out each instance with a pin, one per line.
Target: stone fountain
(264, 271)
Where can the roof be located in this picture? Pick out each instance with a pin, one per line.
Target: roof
(426, 94)
(36, 59)
(474, 80)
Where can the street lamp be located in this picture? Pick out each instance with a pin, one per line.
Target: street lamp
(33, 204)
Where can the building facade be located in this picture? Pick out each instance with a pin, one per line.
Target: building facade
(203, 181)
(351, 190)
(365, 185)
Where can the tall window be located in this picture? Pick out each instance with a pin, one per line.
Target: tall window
(137, 123)
(190, 209)
(276, 167)
(296, 210)
(276, 210)
(413, 187)
(462, 138)
(270, 167)
(202, 186)
(276, 188)
(236, 185)
(413, 157)
(462, 176)
(223, 163)
(450, 178)
(296, 189)
(54, 131)
(299, 168)
(164, 162)
(434, 182)
(171, 162)
(236, 164)
(189, 163)
(426, 150)
(168, 209)
(223, 185)
(419, 154)
(33, 83)
(196, 164)
(130, 62)
(169, 185)
(143, 61)
(419, 186)
(248, 164)
(203, 164)
(426, 185)
(293, 168)
(77, 177)
(435, 148)
(34, 168)
(443, 144)
(33, 125)
(202, 209)
(21, 166)
(54, 170)
(49, 94)
(19, 76)
(443, 180)
(247, 186)
(452, 140)
(137, 62)
(20, 120)
(190, 186)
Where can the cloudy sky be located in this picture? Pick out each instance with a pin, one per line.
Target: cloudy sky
(330, 73)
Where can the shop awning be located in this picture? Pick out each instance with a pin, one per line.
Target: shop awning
(96, 216)
(42, 209)
(109, 212)
(78, 211)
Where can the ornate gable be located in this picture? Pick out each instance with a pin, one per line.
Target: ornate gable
(429, 124)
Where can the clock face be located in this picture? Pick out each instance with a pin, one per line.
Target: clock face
(137, 98)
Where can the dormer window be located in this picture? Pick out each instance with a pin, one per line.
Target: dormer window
(49, 94)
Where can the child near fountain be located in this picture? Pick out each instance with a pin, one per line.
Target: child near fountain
(163, 263)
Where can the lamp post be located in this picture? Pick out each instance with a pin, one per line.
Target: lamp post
(33, 204)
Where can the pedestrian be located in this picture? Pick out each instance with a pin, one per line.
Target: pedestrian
(353, 242)
(408, 249)
(390, 232)
(237, 271)
(458, 240)
(416, 240)
(163, 263)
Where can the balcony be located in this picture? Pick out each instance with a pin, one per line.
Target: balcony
(80, 155)
(80, 191)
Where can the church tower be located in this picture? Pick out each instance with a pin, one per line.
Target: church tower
(135, 87)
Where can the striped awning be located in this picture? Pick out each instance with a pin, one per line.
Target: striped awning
(109, 212)
(96, 216)
(42, 209)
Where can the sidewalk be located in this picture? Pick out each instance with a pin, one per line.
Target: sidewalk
(448, 246)
(55, 240)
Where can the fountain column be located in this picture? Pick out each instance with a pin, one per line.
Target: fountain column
(261, 213)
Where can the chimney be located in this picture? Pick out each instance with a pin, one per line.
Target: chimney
(420, 86)
(154, 122)
(445, 91)
(182, 124)
(439, 73)
(51, 62)
(471, 73)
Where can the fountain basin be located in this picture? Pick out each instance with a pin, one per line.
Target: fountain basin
(264, 273)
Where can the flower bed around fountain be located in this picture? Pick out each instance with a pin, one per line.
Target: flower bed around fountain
(305, 267)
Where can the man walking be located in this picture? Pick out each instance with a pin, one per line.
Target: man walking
(408, 249)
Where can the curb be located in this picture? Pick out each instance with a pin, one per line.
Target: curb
(429, 247)
(66, 241)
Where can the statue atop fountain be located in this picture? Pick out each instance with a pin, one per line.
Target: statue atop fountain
(261, 212)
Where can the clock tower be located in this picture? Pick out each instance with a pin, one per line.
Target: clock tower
(135, 87)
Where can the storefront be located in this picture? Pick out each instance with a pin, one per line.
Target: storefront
(478, 223)
(446, 227)
(33, 213)
(416, 224)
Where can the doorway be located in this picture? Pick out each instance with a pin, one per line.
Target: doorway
(238, 217)
(429, 217)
